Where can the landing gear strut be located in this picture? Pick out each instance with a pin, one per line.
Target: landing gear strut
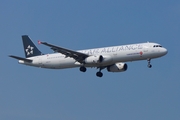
(149, 63)
(99, 74)
(82, 69)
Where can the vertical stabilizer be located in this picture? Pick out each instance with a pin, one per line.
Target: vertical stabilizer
(30, 49)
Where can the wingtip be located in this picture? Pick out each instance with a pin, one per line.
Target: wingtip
(10, 55)
(39, 42)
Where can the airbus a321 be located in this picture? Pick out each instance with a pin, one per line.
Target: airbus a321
(112, 58)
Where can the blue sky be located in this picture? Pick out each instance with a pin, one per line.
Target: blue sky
(139, 93)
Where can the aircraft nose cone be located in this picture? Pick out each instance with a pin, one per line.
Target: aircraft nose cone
(164, 51)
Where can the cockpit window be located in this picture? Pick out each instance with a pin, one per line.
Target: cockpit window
(157, 46)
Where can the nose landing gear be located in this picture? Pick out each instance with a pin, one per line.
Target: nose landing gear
(149, 63)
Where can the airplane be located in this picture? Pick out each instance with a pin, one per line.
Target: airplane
(112, 58)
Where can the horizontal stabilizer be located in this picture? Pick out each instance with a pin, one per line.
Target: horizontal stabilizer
(20, 58)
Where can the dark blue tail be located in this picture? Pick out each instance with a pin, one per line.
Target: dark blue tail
(30, 49)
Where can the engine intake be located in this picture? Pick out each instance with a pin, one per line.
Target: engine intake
(118, 67)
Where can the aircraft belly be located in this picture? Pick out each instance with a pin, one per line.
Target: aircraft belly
(60, 63)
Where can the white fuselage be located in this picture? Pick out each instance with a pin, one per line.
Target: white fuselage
(124, 53)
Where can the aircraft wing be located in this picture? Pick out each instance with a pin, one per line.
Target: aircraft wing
(78, 56)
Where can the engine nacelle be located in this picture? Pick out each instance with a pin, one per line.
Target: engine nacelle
(118, 67)
(98, 59)
(92, 59)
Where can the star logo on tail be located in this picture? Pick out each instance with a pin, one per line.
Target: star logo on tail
(29, 50)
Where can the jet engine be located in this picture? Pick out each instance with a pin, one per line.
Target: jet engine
(98, 59)
(118, 67)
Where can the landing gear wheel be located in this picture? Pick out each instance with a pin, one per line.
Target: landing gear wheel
(99, 74)
(82, 69)
(149, 66)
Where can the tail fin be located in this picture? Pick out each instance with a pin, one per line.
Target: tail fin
(30, 49)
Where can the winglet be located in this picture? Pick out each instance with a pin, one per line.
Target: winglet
(39, 42)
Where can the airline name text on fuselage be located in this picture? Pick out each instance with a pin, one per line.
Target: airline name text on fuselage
(112, 49)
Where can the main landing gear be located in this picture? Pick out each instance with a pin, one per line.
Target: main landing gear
(98, 74)
(149, 63)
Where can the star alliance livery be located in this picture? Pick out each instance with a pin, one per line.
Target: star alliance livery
(112, 58)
